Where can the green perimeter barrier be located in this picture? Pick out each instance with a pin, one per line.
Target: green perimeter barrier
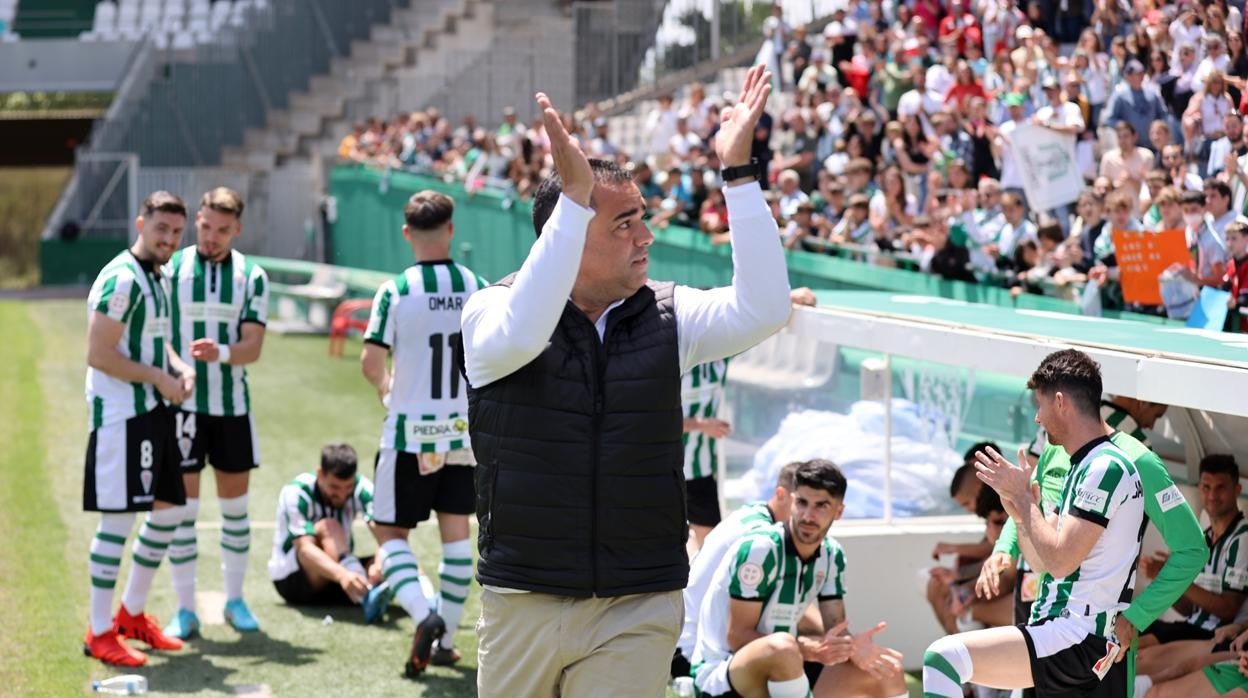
(493, 234)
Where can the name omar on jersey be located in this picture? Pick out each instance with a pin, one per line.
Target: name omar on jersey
(454, 302)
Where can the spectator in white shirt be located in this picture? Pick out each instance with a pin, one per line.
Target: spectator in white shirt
(684, 139)
(791, 194)
(660, 125)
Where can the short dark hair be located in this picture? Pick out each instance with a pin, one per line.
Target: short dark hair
(163, 202)
(965, 472)
(1219, 464)
(1075, 375)
(1192, 197)
(785, 478)
(821, 474)
(968, 457)
(427, 211)
(1223, 189)
(339, 460)
(223, 200)
(547, 195)
(1051, 232)
(988, 502)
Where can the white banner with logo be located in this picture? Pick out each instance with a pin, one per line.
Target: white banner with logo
(1046, 160)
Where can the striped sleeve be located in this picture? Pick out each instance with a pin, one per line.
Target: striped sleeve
(118, 295)
(298, 508)
(753, 568)
(256, 300)
(1102, 488)
(381, 319)
(834, 585)
(1235, 576)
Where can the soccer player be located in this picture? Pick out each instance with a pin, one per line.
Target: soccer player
(220, 304)
(701, 394)
(425, 463)
(743, 521)
(1085, 550)
(1163, 505)
(1222, 586)
(313, 562)
(131, 465)
(750, 640)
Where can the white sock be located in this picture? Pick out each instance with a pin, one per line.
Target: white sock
(1143, 682)
(398, 565)
(107, 548)
(149, 549)
(235, 542)
(183, 552)
(793, 688)
(454, 576)
(946, 666)
(426, 588)
(352, 564)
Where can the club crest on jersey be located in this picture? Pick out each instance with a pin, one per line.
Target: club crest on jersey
(146, 477)
(750, 574)
(819, 577)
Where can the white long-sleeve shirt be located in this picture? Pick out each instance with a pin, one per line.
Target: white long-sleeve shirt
(504, 328)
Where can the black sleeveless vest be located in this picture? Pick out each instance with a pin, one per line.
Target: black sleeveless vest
(580, 490)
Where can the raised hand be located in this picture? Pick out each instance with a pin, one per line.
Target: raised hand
(879, 662)
(570, 160)
(736, 130)
(1010, 481)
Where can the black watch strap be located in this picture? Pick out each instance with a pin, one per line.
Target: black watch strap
(752, 169)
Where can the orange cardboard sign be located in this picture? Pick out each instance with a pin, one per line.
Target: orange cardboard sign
(1142, 256)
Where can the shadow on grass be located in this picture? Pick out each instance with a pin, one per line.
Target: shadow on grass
(191, 672)
(448, 682)
(350, 614)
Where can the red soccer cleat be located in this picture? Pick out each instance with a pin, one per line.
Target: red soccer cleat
(144, 628)
(108, 647)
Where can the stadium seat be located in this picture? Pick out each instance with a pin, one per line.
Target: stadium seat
(105, 17)
(183, 41)
(344, 321)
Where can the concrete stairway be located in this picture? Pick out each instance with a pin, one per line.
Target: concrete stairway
(364, 83)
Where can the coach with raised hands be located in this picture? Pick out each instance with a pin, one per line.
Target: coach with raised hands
(573, 365)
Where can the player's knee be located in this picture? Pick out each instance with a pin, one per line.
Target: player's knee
(950, 654)
(784, 650)
(327, 528)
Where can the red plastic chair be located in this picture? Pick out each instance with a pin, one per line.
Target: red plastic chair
(344, 321)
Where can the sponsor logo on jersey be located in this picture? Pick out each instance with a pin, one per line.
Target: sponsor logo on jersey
(455, 303)
(118, 304)
(1090, 498)
(433, 431)
(750, 574)
(1170, 498)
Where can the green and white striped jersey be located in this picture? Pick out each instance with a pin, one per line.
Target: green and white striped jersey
(701, 393)
(135, 294)
(764, 566)
(1119, 420)
(1103, 487)
(416, 316)
(212, 300)
(300, 505)
(1227, 569)
(705, 562)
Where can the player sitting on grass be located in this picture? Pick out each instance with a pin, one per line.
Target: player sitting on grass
(313, 563)
(751, 641)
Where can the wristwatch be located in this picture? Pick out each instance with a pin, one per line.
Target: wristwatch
(751, 169)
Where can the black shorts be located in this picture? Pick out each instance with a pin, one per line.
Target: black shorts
(1071, 671)
(131, 464)
(1177, 630)
(297, 589)
(403, 497)
(229, 444)
(702, 495)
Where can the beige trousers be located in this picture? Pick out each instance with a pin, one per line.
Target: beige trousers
(534, 645)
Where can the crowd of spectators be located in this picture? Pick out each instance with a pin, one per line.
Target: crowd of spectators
(889, 139)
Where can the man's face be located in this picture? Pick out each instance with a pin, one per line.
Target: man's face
(1219, 494)
(1215, 202)
(968, 493)
(1191, 210)
(1049, 409)
(1149, 413)
(336, 491)
(1088, 209)
(1126, 138)
(1172, 157)
(1233, 126)
(788, 186)
(617, 244)
(215, 232)
(812, 515)
(1171, 214)
(160, 234)
(1120, 217)
(1135, 80)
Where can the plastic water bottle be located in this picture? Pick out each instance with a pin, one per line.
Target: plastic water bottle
(125, 685)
